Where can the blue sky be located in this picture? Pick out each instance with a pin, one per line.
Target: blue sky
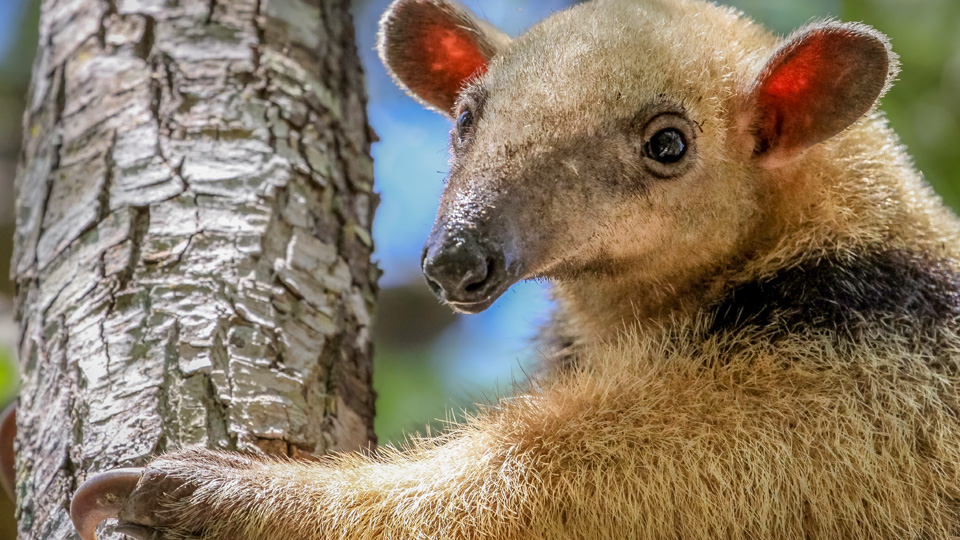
(9, 16)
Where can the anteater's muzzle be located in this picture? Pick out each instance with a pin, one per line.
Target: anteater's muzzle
(463, 270)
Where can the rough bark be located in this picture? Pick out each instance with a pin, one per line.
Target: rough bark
(193, 239)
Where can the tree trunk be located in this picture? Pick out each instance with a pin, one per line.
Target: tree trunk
(193, 239)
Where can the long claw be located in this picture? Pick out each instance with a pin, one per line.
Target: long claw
(101, 497)
(8, 457)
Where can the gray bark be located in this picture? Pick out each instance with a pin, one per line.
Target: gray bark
(194, 203)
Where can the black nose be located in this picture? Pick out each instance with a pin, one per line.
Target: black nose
(461, 270)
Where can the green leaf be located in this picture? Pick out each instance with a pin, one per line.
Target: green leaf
(9, 379)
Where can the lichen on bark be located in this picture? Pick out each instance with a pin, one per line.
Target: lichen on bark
(194, 203)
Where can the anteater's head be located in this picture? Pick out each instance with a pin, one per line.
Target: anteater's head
(618, 137)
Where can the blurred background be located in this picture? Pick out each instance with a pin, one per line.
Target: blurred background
(430, 363)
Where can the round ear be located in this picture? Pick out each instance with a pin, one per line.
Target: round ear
(433, 47)
(823, 79)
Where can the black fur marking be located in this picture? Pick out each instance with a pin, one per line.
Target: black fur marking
(835, 292)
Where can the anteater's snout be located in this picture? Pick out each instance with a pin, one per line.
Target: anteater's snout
(464, 272)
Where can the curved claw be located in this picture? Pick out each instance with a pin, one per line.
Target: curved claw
(101, 497)
(8, 456)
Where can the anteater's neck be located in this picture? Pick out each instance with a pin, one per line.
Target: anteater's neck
(839, 292)
(601, 308)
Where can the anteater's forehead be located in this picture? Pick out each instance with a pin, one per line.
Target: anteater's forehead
(607, 59)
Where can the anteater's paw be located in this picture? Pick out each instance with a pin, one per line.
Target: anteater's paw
(177, 497)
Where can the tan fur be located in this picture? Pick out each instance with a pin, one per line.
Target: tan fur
(661, 437)
(663, 429)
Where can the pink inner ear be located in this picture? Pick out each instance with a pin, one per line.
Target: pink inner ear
(815, 86)
(453, 56)
(792, 81)
(795, 93)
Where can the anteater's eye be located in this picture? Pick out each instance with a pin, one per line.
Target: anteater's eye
(667, 146)
(464, 122)
(667, 141)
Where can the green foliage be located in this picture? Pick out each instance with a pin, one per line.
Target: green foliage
(785, 16)
(411, 397)
(8, 375)
(923, 106)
